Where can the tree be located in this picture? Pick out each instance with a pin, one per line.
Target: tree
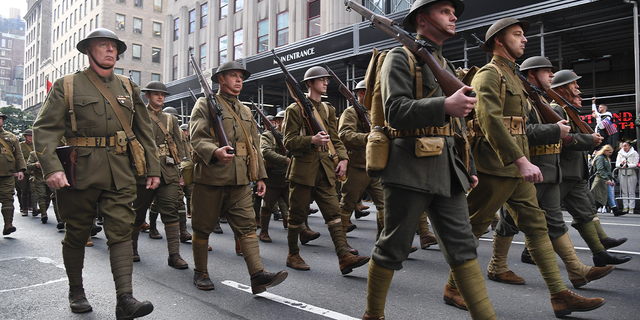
(17, 120)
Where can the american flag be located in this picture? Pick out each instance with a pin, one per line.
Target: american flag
(609, 126)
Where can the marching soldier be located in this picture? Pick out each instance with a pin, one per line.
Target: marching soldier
(222, 179)
(26, 194)
(39, 185)
(506, 175)
(187, 188)
(436, 183)
(574, 189)
(107, 125)
(167, 138)
(545, 143)
(277, 184)
(12, 166)
(312, 174)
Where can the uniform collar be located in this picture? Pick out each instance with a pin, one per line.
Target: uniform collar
(106, 79)
(502, 61)
(437, 47)
(151, 110)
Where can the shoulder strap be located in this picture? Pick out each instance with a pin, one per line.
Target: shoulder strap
(167, 135)
(415, 69)
(9, 149)
(248, 138)
(503, 85)
(68, 99)
(332, 149)
(30, 150)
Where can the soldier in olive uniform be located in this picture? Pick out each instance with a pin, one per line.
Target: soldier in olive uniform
(222, 178)
(545, 143)
(39, 185)
(435, 184)
(167, 138)
(312, 173)
(12, 166)
(277, 184)
(574, 190)
(105, 181)
(502, 149)
(26, 193)
(187, 188)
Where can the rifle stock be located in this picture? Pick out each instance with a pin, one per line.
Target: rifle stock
(270, 127)
(360, 110)
(447, 80)
(571, 111)
(215, 111)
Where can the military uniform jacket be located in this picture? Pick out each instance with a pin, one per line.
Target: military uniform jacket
(435, 174)
(209, 171)
(9, 166)
(574, 158)
(170, 172)
(541, 134)
(95, 167)
(307, 157)
(276, 161)
(352, 134)
(26, 150)
(497, 149)
(31, 166)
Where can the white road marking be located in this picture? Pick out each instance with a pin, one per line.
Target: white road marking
(577, 248)
(41, 260)
(35, 285)
(292, 303)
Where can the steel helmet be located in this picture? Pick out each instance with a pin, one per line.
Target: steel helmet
(184, 127)
(28, 132)
(535, 63)
(315, 72)
(409, 21)
(155, 86)
(271, 118)
(280, 114)
(229, 65)
(170, 110)
(360, 85)
(563, 77)
(101, 33)
(499, 26)
(3, 116)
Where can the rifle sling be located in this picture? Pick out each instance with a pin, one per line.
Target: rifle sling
(167, 136)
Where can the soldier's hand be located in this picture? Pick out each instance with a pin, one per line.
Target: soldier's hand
(529, 171)
(597, 139)
(288, 161)
(19, 175)
(474, 182)
(458, 104)
(341, 168)
(321, 138)
(57, 180)
(262, 188)
(153, 182)
(222, 155)
(37, 164)
(564, 128)
(181, 182)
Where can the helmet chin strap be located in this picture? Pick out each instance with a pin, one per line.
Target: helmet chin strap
(96, 62)
(437, 26)
(506, 48)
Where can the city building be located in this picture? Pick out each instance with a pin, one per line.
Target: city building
(12, 36)
(37, 51)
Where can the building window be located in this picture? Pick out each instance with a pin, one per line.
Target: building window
(119, 22)
(157, 5)
(237, 44)
(137, 3)
(157, 29)
(155, 55)
(263, 35)
(203, 56)
(189, 66)
(282, 28)
(313, 20)
(119, 71)
(174, 74)
(122, 1)
(222, 50)
(137, 25)
(224, 8)
(155, 77)
(239, 5)
(137, 52)
(176, 28)
(136, 76)
(192, 21)
(204, 9)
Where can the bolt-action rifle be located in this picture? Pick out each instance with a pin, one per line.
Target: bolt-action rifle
(447, 80)
(360, 110)
(215, 111)
(270, 127)
(571, 110)
(193, 95)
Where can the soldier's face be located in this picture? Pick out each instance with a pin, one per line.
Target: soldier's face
(1, 121)
(156, 99)
(514, 40)
(444, 14)
(279, 123)
(28, 139)
(319, 85)
(186, 133)
(545, 76)
(231, 82)
(104, 51)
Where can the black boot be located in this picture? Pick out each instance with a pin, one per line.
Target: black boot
(130, 308)
(617, 212)
(526, 257)
(609, 242)
(604, 258)
(202, 281)
(263, 280)
(78, 301)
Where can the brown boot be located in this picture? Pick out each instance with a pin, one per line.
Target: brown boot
(295, 261)
(285, 222)
(202, 281)
(307, 235)
(453, 297)
(565, 302)
(264, 236)
(349, 262)
(8, 229)
(135, 235)
(185, 236)
(78, 300)
(154, 234)
(508, 277)
(263, 280)
(238, 248)
(129, 307)
(370, 317)
(176, 261)
(594, 274)
(353, 251)
(89, 243)
(264, 231)
(427, 239)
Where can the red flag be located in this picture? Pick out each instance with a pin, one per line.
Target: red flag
(49, 84)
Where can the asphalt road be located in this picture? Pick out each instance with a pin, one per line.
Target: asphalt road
(33, 283)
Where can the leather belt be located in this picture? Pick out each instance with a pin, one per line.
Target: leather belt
(92, 142)
(515, 125)
(545, 149)
(422, 132)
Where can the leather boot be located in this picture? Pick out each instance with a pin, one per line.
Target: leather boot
(176, 261)
(307, 235)
(238, 248)
(351, 227)
(8, 229)
(370, 317)
(264, 228)
(617, 212)
(154, 234)
(453, 297)
(427, 239)
(89, 242)
(498, 269)
(185, 236)
(604, 258)
(565, 302)
(129, 307)
(285, 222)
(525, 257)
(353, 251)
(135, 235)
(172, 230)
(609, 242)
(595, 273)
(348, 262)
(202, 281)
(361, 213)
(262, 280)
(78, 300)
(296, 262)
